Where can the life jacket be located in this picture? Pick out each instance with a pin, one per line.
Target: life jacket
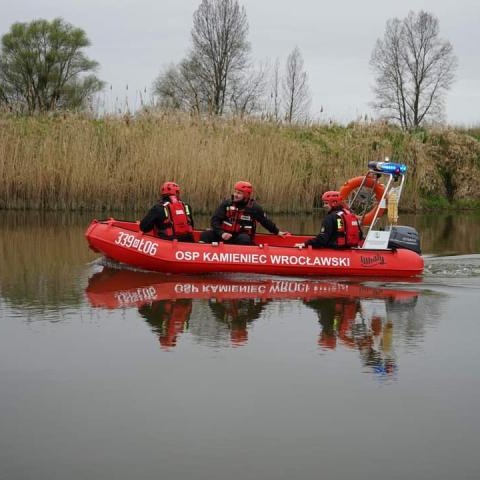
(238, 220)
(178, 220)
(348, 230)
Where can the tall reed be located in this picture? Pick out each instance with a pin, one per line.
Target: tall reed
(74, 162)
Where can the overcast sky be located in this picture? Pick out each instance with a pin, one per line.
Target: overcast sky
(134, 39)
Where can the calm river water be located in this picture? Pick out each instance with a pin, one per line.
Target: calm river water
(117, 374)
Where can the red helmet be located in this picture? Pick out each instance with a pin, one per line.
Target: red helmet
(332, 197)
(170, 188)
(244, 187)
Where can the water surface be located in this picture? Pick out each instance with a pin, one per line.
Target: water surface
(113, 373)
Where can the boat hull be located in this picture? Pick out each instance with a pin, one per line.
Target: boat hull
(123, 242)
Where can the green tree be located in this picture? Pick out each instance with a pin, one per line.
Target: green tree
(43, 67)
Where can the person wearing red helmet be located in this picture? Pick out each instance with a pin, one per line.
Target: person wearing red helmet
(234, 221)
(340, 227)
(170, 218)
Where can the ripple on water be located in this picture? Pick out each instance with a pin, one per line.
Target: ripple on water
(455, 266)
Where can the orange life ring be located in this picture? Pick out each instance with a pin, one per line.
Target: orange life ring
(378, 190)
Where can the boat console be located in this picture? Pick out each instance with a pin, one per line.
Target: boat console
(384, 180)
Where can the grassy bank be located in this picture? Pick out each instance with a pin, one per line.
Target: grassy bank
(72, 162)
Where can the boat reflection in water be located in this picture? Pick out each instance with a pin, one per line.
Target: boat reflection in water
(168, 319)
(351, 315)
(237, 314)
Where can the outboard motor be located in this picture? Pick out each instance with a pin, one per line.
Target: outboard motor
(404, 237)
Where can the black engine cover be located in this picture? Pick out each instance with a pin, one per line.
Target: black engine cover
(404, 237)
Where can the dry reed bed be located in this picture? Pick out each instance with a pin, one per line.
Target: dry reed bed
(72, 162)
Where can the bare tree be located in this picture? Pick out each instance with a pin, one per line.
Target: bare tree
(247, 91)
(275, 93)
(296, 94)
(220, 46)
(180, 87)
(169, 88)
(214, 76)
(414, 69)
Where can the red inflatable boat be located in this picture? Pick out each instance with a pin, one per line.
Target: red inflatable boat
(273, 255)
(390, 251)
